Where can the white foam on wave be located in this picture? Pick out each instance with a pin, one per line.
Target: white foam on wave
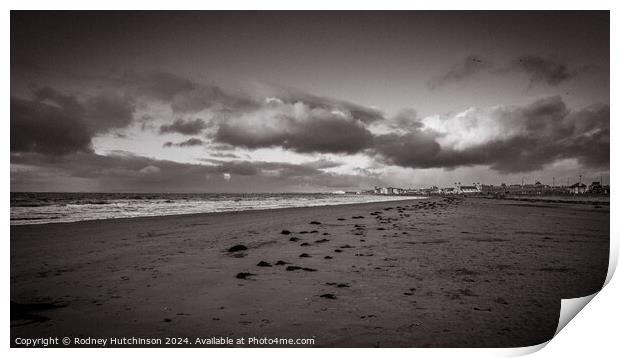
(127, 208)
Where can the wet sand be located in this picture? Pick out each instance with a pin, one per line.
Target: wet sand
(418, 273)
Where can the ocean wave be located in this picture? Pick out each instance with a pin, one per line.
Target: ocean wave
(41, 208)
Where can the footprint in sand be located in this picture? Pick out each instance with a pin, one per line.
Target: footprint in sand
(482, 309)
(295, 268)
(244, 275)
(339, 285)
(29, 312)
(237, 248)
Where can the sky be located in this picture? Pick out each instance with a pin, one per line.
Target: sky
(306, 101)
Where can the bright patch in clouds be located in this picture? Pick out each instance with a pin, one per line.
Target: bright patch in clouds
(471, 127)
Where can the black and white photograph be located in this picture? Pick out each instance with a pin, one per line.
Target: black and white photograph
(306, 179)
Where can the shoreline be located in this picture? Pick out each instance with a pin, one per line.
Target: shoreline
(530, 199)
(215, 212)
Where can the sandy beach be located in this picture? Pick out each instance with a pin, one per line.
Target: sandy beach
(438, 272)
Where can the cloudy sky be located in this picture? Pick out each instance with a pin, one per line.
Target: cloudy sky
(306, 101)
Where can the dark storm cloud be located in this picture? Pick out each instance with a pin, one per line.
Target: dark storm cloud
(40, 127)
(192, 142)
(462, 71)
(184, 126)
(540, 133)
(139, 168)
(544, 131)
(120, 172)
(417, 149)
(300, 122)
(108, 112)
(550, 71)
(184, 95)
(56, 123)
(211, 98)
(163, 86)
(188, 96)
(319, 133)
(356, 111)
(286, 118)
(123, 172)
(545, 70)
(591, 136)
(422, 151)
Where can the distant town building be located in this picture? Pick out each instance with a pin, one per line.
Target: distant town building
(448, 191)
(393, 191)
(498, 191)
(578, 188)
(469, 189)
(597, 188)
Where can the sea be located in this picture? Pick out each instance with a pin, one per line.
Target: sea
(43, 208)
